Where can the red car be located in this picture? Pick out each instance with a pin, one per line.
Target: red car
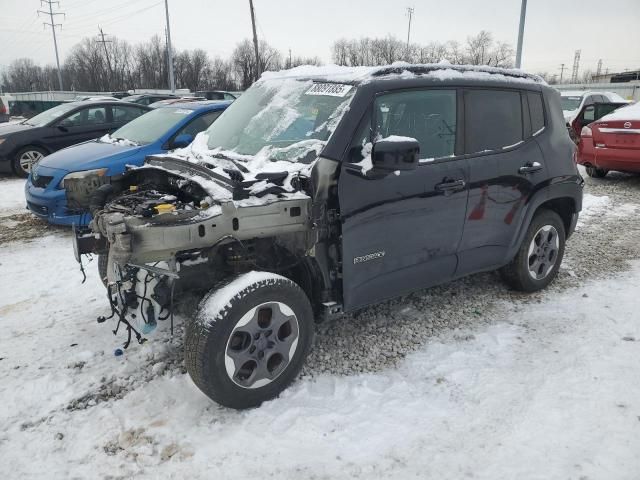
(611, 142)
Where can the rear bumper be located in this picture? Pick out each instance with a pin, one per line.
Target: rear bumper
(620, 159)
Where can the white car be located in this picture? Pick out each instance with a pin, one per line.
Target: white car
(574, 100)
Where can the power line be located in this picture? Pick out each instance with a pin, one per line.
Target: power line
(53, 26)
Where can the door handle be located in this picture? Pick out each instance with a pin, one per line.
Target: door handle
(530, 167)
(450, 186)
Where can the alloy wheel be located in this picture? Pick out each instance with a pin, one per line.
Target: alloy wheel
(261, 345)
(28, 159)
(543, 252)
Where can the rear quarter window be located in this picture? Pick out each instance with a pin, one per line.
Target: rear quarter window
(536, 112)
(493, 119)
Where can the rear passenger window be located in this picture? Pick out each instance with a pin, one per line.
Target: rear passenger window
(429, 116)
(493, 120)
(536, 112)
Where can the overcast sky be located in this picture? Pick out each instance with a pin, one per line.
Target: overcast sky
(554, 29)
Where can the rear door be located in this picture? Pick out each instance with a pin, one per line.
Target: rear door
(505, 166)
(401, 232)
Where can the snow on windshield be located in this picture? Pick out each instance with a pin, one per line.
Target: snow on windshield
(276, 126)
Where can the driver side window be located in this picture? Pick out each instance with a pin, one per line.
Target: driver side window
(429, 116)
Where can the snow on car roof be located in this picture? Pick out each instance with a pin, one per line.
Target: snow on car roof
(441, 71)
(573, 93)
(629, 112)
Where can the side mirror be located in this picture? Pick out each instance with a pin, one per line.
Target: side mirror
(62, 128)
(182, 141)
(395, 153)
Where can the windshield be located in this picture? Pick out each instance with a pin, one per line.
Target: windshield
(151, 126)
(48, 116)
(280, 113)
(570, 103)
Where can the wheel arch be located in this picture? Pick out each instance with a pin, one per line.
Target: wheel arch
(564, 198)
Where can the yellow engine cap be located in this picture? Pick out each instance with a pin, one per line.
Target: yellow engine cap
(165, 208)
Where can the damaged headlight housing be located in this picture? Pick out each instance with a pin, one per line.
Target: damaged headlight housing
(98, 172)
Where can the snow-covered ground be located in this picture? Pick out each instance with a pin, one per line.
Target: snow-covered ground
(12, 196)
(549, 390)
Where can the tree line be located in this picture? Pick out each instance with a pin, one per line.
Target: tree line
(117, 65)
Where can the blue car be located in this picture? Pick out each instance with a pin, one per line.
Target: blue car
(165, 128)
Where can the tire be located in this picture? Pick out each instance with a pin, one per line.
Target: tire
(596, 172)
(249, 339)
(534, 266)
(25, 158)
(103, 261)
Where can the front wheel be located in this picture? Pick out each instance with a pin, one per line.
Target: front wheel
(249, 339)
(26, 158)
(537, 262)
(596, 172)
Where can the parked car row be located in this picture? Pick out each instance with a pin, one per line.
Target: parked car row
(85, 166)
(25, 143)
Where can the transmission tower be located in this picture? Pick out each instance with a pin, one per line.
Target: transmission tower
(576, 67)
(53, 26)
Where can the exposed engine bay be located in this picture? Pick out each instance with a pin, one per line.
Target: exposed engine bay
(172, 226)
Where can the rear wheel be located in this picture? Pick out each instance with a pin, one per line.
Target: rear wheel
(26, 158)
(249, 339)
(537, 262)
(596, 172)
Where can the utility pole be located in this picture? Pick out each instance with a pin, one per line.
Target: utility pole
(576, 66)
(410, 11)
(290, 62)
(523, 14)
(255, 40)
(172, 83)
(53, 26)
(562, 68)
(106, 52)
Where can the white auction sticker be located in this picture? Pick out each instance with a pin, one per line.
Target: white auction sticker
(329, 89)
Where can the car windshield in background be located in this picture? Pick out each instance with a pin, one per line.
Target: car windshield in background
(570, 103)
(48, 116)
(152, 125)
(279, 113)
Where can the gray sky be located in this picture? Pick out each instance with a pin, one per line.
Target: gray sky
(554, 30)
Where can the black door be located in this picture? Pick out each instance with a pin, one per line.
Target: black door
(505, 168)
(401, 232)
(84, 124)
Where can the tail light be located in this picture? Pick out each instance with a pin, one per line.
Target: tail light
(3, 109)
(585, 132)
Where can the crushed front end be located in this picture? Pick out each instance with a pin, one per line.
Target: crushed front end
(172, 227)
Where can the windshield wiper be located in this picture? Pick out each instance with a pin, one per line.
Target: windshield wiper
(237, 164)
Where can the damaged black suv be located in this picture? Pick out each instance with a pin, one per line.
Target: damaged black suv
(324, 190)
